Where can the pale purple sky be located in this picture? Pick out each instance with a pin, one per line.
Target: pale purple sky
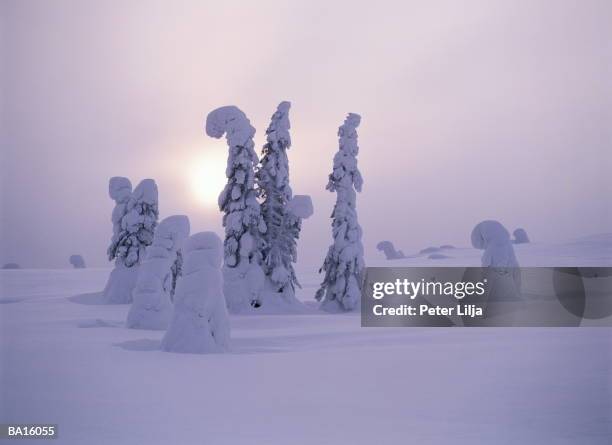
(470, 110)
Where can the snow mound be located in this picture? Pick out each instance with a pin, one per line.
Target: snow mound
(427, 250)
(77, 261)
(152, 307)
(437, 256)
(503, 273)
(200, 323)
(494, 239)
(120, 284)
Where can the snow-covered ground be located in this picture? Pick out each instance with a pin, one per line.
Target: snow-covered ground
(312, 378)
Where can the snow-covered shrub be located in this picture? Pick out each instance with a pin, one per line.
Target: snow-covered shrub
(520, 236)
(152, 307)
(389, 250)
(502, 267)
(343, 266)
(77, 261)
(200, 323)
(238, 202)
(9, 266)
(134, 220)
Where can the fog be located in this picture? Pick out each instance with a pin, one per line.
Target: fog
(470, 110)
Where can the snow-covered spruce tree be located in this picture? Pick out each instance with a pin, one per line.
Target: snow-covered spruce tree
(136, 231)
(200, 323)
(272, 175)
(122, 279)
(242, 218)
(152, 308)
(343, 266)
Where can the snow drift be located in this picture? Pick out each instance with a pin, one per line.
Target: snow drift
(388, 249)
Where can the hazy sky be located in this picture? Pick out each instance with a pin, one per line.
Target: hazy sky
(470, 110)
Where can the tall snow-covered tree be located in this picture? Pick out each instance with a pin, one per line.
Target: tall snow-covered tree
(279, 247)
(343, 265)
(244, 225)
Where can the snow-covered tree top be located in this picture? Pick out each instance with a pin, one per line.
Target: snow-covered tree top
(232, 122)
(206, 245)
(279, 126)
(345, 160)
(300, 206)
(119, 188)
(348, 134)
(352, 120)
(487, 233)
(172, 231)
(146, 192)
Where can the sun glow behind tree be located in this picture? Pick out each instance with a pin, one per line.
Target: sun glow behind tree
(207, 175)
